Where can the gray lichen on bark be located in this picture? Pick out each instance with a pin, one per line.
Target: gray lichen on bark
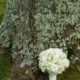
(57, 25)
(31, 26)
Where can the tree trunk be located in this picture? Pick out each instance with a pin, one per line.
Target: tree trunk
(31, 26)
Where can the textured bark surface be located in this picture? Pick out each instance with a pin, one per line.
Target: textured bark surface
(31, 26)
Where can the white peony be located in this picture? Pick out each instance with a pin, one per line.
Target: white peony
(53, 60)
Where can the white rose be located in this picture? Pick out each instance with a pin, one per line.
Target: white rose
(54, 69)
(66, 63)
(60, 69)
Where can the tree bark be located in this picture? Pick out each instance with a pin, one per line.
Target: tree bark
(31, 26)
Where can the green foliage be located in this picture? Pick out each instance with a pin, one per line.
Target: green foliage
(1, 17)
(3, 1)
(5, 60)
(2, 8)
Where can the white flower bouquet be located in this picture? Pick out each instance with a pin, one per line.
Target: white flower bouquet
(54, 61)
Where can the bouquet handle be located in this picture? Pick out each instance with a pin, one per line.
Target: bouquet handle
(52, 77)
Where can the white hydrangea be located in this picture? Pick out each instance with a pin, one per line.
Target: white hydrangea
(53, 60)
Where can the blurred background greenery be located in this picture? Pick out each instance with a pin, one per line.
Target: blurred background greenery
(2, 8)
(5, 60)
